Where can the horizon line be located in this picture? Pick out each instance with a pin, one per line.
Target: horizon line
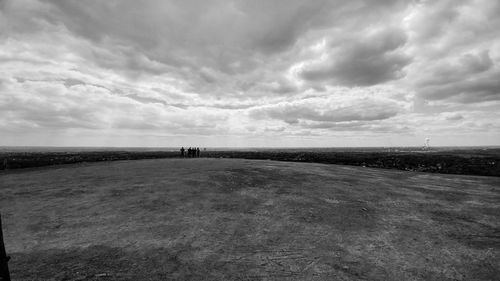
(64, 146)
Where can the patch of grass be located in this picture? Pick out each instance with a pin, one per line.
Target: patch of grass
(223, 219)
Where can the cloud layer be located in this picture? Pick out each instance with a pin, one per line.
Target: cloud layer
(249, 73)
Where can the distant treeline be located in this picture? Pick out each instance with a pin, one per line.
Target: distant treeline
(461, 162)
(17, 160)
(466, 162)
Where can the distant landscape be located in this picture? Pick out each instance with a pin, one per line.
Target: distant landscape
(483, 161)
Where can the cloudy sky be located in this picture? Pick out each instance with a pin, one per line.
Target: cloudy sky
(249, 73)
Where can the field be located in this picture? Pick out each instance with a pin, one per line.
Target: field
(482, 161)
(234, 219)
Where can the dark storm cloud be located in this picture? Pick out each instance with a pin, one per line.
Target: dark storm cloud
(363, 61)
(466, 65)
(210, 33)
(472, 78)
(457, 46)
(466, 22)
(469, 90)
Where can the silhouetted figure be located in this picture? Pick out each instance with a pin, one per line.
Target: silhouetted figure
(197, 152)
(190, 152)
(182, 151)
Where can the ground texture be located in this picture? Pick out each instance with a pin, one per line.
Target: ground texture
(229, 219)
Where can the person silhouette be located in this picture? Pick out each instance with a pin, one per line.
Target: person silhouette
(182, 151)
(197, 152)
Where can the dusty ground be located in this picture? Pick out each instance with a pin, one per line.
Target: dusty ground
(229, 219)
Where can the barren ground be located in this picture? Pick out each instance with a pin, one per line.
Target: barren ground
(230, 219)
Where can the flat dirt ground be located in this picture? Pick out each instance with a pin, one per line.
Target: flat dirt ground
(230, 219)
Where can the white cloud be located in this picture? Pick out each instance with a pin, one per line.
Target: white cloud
(114, 72)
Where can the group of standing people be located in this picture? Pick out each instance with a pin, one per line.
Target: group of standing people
(190, 152)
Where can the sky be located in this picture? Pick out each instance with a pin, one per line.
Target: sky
(259, 73)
